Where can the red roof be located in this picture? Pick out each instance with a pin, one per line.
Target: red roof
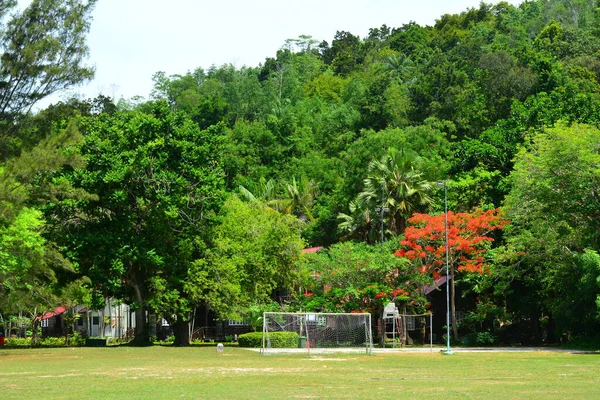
(50, 314)
(311, 250)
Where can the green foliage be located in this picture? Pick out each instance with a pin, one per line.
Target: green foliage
(77, 340)
(253, 253)
(554, 208)
(394, 182)
(554, 185)
(157, 182)
(43, 49)
(17, 342)
(52, 342)
(494, 100)
(359, 277)
(277, 339)
(44, 342)
(482, 339)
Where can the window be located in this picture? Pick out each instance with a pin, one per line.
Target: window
(233, 322)
(410, 323)
(312, 319)
(44, 323)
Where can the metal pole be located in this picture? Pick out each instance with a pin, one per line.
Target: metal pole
(308, 344)
(430, 332)
(382, 204)
(262, 350)
(448, 350)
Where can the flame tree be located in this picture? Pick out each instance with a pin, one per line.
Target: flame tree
(424, 243)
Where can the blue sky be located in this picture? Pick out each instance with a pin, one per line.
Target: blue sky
(130, 40)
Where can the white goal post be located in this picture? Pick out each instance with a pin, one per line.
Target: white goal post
(317, 332)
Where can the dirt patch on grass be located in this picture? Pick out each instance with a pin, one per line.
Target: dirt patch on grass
(18, 373)
(248, 371)
(59, 376)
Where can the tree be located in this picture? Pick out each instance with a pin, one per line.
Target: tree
(345, 54)
(554, 205)
(357, 277)
(157, 181)
(34, 277)
(399, 66)
(295, 197)
(395, 183)
(43, 50)
(253, 255)
(424, 243)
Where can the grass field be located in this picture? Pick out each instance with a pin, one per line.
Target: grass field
(201, 373)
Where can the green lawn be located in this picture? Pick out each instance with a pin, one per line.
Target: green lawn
(201, 373)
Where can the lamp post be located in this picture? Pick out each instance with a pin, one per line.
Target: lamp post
(383, 208)
(448, 351)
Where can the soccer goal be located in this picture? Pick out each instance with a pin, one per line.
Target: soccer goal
(316, 332)
(408, 330)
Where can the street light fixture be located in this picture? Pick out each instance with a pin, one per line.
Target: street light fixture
(448, 351)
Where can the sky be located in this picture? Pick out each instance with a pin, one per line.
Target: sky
(130, 40)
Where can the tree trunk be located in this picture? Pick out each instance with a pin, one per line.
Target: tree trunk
(35, 324)
(181, 330)
(101, 322)
(453, 305)
(142, 330)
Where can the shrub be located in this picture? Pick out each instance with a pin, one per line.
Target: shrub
(278, 339)
(18, 342)
(482, 339)
(52, 342)
(77, 339)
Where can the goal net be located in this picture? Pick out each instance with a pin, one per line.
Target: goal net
(316, 332)
(408, 330)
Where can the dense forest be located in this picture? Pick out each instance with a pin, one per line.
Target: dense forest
(207, 193)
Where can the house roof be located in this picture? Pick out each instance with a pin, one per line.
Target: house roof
(438, 282)
(311, 250)
(50, 314)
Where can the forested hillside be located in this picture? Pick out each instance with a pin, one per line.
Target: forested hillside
(206, 194)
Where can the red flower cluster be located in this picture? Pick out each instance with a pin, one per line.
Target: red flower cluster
(424, 240)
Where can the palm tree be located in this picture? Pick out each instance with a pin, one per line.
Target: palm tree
(395, 183)
(359, 223)
(266, 191)
(295, 197)
(399, 66)
(298, 198)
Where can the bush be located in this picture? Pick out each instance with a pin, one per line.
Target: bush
(278, 339)
(52, 342)
(18, 342)
(482, 339)
(77, 339)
